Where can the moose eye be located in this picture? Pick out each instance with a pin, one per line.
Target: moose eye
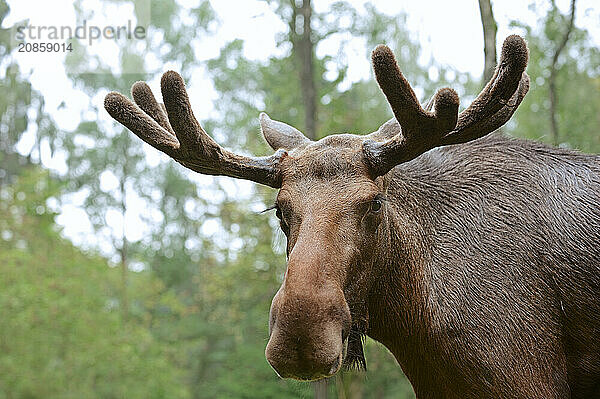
(282, 222)
(376, 205)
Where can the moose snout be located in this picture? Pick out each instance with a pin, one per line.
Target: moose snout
(304, 365)
(307, 335)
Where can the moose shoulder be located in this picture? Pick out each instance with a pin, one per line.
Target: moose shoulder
(476, 263)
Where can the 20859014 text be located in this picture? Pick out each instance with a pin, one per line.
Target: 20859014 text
(44, 47)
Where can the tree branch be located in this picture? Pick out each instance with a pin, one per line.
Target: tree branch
(554, 71)
(489, 38)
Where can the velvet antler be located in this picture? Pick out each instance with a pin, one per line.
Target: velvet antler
(173, 129)
(422, 130)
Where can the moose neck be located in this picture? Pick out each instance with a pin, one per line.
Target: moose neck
(400, 315)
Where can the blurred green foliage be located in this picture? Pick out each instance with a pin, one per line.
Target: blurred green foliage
(578, 84)
(61, 335)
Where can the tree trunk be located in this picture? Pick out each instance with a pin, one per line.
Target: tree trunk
(489, 39)
(303, 48)
(123, 249)
(554, 71)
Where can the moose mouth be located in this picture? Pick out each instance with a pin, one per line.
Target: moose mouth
(335, 367)
(351, 358)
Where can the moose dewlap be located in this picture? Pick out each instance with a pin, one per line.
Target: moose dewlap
(476, 263)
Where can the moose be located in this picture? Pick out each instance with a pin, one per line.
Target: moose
(473, 257)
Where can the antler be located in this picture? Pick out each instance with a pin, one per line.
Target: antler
(173, 129)
(422, 130)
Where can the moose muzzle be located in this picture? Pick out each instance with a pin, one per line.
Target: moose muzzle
(307, 331)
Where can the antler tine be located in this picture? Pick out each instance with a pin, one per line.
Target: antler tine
(143, 97)
(173, 129)
(493, 122)
(500, 97)
(187, 129)
(401, 97)
(140, 123)
(422, 130)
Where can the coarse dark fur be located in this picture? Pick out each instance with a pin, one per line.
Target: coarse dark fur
(493, 290)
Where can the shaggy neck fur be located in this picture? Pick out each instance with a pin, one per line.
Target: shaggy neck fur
(490, 277)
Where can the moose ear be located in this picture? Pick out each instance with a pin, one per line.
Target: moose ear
(280, 135)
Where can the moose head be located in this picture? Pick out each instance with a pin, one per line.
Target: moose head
(333, 203)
